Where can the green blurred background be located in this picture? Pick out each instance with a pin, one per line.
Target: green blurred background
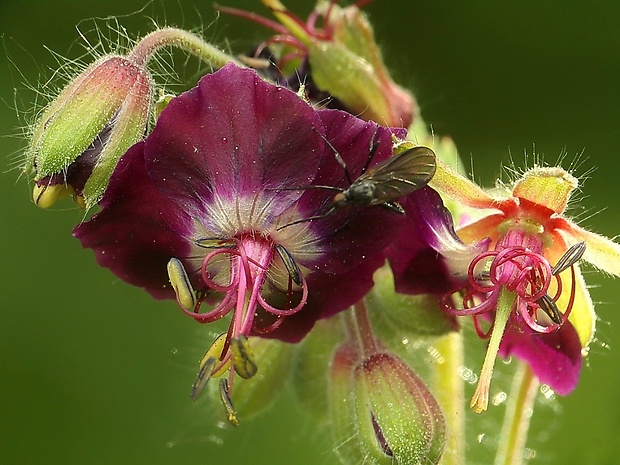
(93, 371)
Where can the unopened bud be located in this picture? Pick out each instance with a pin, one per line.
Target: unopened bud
(382, 412)
(345, 61)
(548, 186)
(81, 135)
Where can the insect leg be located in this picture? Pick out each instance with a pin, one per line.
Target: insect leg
(339, 159)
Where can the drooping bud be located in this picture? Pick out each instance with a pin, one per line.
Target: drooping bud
(340, 60)
(382, 412)
(350, 67)
(79, 138)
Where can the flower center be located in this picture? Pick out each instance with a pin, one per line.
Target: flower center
(511, 284)
(517, 265)
(237, 270)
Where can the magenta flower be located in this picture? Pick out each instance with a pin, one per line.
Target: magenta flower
(209, 201)
(518, 271)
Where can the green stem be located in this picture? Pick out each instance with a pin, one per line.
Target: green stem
(185, 40)
(517, 418)
(449, 391)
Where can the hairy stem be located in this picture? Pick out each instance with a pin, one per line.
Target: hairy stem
(449, 391)
(359, 329)
(185, 40)
(517, 419)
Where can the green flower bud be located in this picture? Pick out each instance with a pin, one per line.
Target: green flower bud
(345, 61)
(382, 412)
(78, 140)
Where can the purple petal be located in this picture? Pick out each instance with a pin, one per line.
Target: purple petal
(234, 135)
(428, 256)
(138, 229)
(351, 234)
(555, 358)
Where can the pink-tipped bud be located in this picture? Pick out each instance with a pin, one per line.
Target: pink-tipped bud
(80, 137)
(382, 412)
(344, 61)
(351, 68)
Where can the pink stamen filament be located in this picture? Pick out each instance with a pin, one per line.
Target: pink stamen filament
(528, 274)
(242, 293)
(288, 40)
(256, 18)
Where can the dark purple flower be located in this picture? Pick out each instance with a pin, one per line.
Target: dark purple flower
(216, 199)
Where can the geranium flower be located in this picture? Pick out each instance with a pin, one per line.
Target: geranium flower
(527, 283)
(217, 201)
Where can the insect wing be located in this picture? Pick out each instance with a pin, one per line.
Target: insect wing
(401, 174)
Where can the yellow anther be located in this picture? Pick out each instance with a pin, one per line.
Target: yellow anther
(45, 196)
(233, 419)
(181, 284)
(242, 357)
(203, 376)
(208, 363)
